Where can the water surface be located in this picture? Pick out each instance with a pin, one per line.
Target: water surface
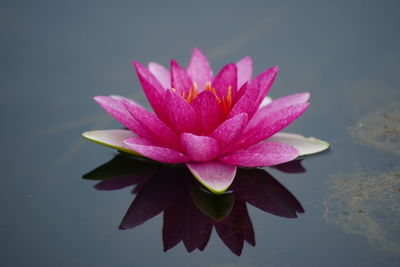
(57, 55)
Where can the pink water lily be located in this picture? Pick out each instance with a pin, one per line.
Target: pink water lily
(213, 124)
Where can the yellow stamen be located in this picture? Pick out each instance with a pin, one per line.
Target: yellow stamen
(229, 97)
(192, 93)
(212, 90)
(225, 102)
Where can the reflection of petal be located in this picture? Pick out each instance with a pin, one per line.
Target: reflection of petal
(157, 195)
(261, 190)
(293, 166)
(184, 222)
(122, 182)
(236, 228)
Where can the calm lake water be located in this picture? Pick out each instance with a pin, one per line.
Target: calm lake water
(339, 208)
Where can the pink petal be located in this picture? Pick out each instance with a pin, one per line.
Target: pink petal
(199, 69)
(229, 131)
(244, 70)
(214, 175)
(262, 154)
(255, 92)
(180, 80)
(264, 82)
(118, 111)
(208, 111)
(159, 130)
(259, 189)
(226, 78)
(181, 114)
(161, 73)
(289, 100)
(199, 148)
(118, 97)
(161, 154)
(271, 124)
(153, 90)
(278, 104)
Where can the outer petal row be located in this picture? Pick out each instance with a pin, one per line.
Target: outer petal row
(157, 153)
(262, 154)
(271, 124)
(153, 90)
(117, 110)
(255, 92)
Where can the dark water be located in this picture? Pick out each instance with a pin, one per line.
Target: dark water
(56, 55)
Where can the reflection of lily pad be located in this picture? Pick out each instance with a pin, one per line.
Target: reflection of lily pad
(380, 129)
(215, 206)
(368, 204)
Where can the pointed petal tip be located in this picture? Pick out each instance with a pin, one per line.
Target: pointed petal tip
(197, 50)
(99, 98)
(136, 64)
(248, 58)
(112, 138)
(138, 67)
(174, 62)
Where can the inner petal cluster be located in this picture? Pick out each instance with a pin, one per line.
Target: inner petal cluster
(225, 102)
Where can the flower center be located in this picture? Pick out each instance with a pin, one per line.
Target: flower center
(225, 102)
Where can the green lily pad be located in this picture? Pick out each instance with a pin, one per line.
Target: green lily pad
(112, 138)
(215, 206)
(305, 145)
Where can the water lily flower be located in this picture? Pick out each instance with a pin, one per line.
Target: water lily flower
(213, 124)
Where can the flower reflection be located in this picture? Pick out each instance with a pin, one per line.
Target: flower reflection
(190, 211)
